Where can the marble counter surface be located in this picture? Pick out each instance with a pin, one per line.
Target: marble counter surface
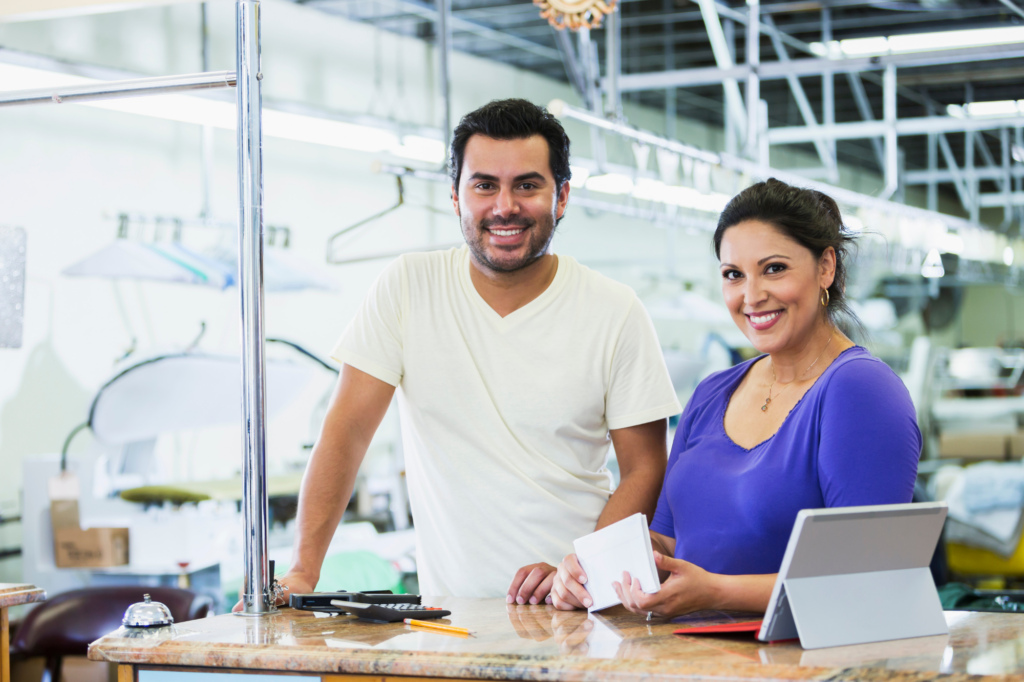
(541, 644)
(15, 594)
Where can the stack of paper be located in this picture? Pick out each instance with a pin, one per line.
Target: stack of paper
(604, 555)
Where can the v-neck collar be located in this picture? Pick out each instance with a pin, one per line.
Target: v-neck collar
(517, 316)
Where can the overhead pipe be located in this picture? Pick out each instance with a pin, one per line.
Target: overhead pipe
(161, 85)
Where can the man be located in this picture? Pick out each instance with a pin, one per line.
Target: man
(514, 365)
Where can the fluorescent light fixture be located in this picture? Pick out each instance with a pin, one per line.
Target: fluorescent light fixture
(221, 114)
(579, 176)
(920, 42)
(956, 111)
(684, 197)
(1017, 152)
(857, 47)
(1001, 108)
(610, 183)
(420, 149)
(1008, 256)
(951, 242)
(932, 266)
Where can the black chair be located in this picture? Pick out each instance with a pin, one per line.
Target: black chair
(66, 624)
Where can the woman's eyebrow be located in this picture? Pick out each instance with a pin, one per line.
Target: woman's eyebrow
(768, 258)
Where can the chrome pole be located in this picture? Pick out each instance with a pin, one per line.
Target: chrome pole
(161, 85)
(444, 45)
(256, 599)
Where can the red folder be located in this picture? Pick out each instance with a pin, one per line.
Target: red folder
(747, 626)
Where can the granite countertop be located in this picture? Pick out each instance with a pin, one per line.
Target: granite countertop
(538, 643)
(15, 594)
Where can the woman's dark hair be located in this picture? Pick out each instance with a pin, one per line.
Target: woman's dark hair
(808, 217)
(512, 119)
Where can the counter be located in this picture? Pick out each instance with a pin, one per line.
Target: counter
(538, 643)
(13, 594)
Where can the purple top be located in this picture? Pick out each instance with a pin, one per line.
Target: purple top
(851, 440)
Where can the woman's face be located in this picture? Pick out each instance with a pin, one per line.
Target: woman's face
(772, 285)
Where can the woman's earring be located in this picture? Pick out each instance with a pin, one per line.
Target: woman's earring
(825, 298)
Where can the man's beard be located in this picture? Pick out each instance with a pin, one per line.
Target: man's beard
(539, 236)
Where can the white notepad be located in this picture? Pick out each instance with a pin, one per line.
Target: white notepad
(605, 554)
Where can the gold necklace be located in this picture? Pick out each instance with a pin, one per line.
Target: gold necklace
(764, 408)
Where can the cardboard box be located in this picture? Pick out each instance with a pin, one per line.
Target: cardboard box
(965, 445)
(90, 548)
(1017, 445)
(73, 546)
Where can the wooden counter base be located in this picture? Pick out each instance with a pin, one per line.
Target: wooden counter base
(540, 644)
(13, 594)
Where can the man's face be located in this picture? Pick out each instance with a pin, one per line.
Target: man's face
(507, 201)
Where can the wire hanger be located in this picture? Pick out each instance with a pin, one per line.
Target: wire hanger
(350, 229)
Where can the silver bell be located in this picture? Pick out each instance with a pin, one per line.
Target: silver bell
(147, 614)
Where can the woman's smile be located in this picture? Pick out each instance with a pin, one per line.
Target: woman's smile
(765, 320)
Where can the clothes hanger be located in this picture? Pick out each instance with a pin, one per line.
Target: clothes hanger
(353, 229)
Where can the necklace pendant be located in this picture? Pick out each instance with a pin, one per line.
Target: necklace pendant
(764, 408)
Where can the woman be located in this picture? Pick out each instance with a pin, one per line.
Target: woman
(814, 422)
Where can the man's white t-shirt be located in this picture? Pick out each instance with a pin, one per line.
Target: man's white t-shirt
(505, 420)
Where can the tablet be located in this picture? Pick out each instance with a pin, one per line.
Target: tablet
(853, 575)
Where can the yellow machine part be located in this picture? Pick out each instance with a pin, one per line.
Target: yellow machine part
(973, 561)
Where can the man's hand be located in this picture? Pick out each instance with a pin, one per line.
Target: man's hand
(291, 583)
(567, 591)
(531, 584)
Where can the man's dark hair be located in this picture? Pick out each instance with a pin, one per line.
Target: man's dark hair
(512, 119)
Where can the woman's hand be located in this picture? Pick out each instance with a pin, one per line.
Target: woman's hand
(688, 588)
(567, 592)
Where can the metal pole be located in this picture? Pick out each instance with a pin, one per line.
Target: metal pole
(161, 85)
(889, 114)
(974, 210)
(444, 41)
(1004, 142)
(933, 165)
(670, 63)
(828, 92)
(729, 30)
(206, 141)
(256, 599)
(753, 81)
(613, 46)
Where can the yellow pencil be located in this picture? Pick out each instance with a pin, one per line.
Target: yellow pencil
(436, 626)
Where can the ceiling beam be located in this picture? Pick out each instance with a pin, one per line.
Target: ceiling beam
(815, 67)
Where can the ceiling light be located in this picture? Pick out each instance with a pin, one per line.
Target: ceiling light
(920, 42)
(610, 183)
(1017, 152)
(956, 111)
(856, 47)
(932, 266)
(220, 114)
(951, 243)
(579, 176)
(420, 149)
(1008, 256)
(1001, 108)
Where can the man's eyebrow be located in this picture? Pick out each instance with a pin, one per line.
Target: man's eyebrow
(483, 176)
(533, 175)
